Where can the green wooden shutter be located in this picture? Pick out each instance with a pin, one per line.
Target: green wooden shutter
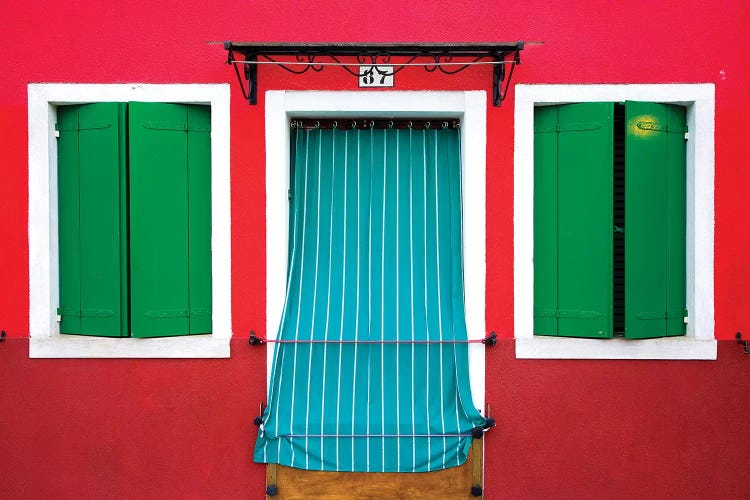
(574, 184)
(169, 188)
(545, 220)
(92, 220)
(655, 220)
(199, 217)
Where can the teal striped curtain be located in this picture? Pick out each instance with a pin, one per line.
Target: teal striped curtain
(374, 255)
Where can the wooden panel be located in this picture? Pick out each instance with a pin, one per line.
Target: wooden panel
(646, 219)
(545, 220)
(451, 483)
(158, 220)
(584, 220)
(199, 217)
(92, 234)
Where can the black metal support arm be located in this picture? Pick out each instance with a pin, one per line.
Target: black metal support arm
(743, 343)
(448, 58)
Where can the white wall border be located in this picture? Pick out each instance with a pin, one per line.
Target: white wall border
(45, 340)
(699, 342)
(470, 107)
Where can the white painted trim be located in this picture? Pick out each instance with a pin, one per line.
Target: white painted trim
(699, 342)
(470, 107)
(45, 339)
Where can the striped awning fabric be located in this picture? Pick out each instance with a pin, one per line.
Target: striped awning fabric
(374, 255)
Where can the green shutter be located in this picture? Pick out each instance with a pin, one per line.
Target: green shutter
(199, 217)
(655, 220)
(92, 219)
(545, 220)
(159, 220)
(575, 185)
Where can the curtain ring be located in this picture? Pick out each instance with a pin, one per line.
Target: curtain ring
(445, 124)
(390, 124)
(426, 124)
(372, 124)
(409, 124)
(354, 124)
(317, 123)
(335, 124)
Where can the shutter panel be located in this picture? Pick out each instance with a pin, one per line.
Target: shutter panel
(159, 219)
(585, 220)
(92, 219)
(655, 220)
(676, 220)
(199, 217)
(69, 238)
(545, 220)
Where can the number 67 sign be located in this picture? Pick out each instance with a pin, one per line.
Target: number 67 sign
(375, 76)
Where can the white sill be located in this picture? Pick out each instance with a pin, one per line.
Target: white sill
(71, 346)
(575, 348)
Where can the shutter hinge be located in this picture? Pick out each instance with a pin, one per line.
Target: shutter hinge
(687, 135)
(57, 133)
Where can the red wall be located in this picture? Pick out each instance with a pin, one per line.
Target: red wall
(568, 428)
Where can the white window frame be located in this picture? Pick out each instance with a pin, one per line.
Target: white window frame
(699, 341)
(45, 340)
(469, 107)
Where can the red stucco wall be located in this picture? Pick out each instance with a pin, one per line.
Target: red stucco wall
(567, 428)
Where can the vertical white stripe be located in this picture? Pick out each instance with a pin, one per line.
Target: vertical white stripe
(398, 316)
(457, 395)
(356, 315)
(299, 298)
(343, 299)
(440, 309)
(411, 302)
(369, 292)
(382, 301)
(315, 297)
(460, 403)
(328, 300)
(427, 324)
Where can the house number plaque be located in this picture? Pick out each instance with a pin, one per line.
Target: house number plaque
(376, 75)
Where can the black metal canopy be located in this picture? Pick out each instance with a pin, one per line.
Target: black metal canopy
(430, 56)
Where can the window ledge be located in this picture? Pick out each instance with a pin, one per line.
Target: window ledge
(575, 348)
(59, 346)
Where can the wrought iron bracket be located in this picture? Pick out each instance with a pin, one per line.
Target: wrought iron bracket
(448, 58)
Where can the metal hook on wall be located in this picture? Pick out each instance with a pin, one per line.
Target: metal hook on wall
(743, 343)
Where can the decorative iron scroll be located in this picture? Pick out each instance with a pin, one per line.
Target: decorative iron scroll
(446, 58)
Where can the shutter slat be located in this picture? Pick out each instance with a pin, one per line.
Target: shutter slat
(69, 248)
(545, 220)
(199, 215)
(676, 223)
(585, 220)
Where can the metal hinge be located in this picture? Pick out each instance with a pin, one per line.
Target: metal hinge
(687, 135)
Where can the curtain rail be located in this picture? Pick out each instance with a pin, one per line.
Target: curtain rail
(375, 123)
